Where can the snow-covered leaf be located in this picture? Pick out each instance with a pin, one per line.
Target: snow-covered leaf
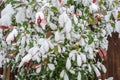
(25, 59)
(83, 57)
(62, 73)
(93, 8)
(38, 69)
(97, 72)
(75, 19)
(68, 64)
(103, 68)
(51, 66)
(79, 76)
(68, 26)
(72, 71)
(79, 60)
(66, 76)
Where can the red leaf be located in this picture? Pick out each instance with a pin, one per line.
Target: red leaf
(4, 27)
(94, 1)
(15, 40)
(28, 67)
(35, 66)
(39, 20)
(100, 54)
(5, 36)
(12, 27)
(77, 15)
(104, 52)
(60, 1)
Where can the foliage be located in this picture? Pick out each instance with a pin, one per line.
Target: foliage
(57, 39)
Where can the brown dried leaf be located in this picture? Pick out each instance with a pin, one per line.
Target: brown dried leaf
(48, 34)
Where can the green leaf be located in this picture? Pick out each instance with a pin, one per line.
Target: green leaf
(119, 15)
(56, 49)
(103, 12)
(69, 1)
(113, 25)
(100, 2)
(54, 9)
(31, 44)
(77, 47)
(100, 38)
(27, 32)
(116, 1)
(111, 17)
(90, 40)
(18, 36)
(25, 24)
(92, 20)
(87, 10)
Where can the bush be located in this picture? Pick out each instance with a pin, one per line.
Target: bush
(57, 39)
